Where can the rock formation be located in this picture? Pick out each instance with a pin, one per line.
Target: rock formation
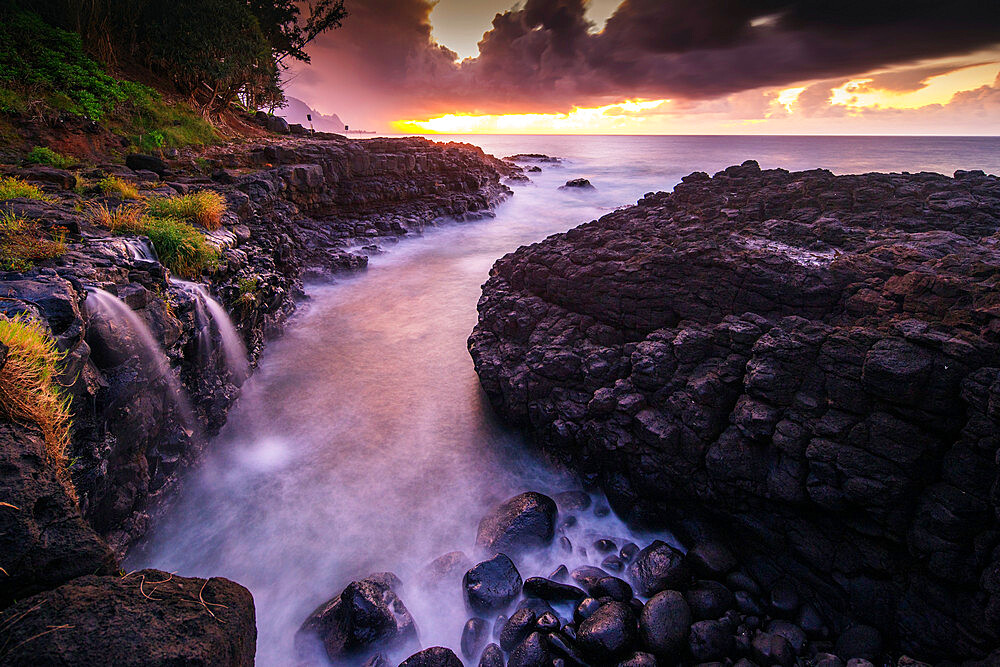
(803, 364)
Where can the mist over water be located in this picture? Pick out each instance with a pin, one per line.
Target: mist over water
(363, 442)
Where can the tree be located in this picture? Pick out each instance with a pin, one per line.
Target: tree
(288, 31)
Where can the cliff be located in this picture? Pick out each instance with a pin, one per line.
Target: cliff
(801, 364)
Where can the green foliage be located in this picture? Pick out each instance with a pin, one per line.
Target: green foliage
(43, 155)
(153, 125)
(248, 292)
(118, 187)
(37, 56)
(12, 187)
(22, 243)
(12, 101)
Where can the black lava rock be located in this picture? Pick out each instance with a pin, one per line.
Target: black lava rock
(659, 567)
(523, 522)
(520, 624)
(577, 183)
(474, 635)
(585, 609)
(784, 600)
(609, 633)
(586, 576)
(492, 657)
(491, 585)
(639, 659)
(436, 656)
(708, 599)
(532, 652)
(665, 623)
(710, 559)
(709, 640)
(552, 591)
(772, 649)
(612, 587)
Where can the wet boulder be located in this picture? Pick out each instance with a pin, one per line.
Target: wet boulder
(140, 162)
(772, 649)
(436, 656)
(524, 522)
(708, 599)
(367, 614)
(491, 585)
(612, 587)
(609, 633)
(710, 559)
(532, 652)
(443, 569)
(517, 628)
(552, 591)
(709, 640)
(492, 657)
(639, 659)
(664, 623)
(474, 636)
(577, 184)
(659, 567)
(587, 576)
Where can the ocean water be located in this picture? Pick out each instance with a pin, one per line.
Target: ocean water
(363, 442)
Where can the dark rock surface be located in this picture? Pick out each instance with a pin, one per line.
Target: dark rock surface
(366, 615)
(145, 618)
(436, 656)
(491, 585)
(521, 523)
(804, 363)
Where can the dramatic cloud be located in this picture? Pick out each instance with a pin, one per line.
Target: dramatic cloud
(545, 56)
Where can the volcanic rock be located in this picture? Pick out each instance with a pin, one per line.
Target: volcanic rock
(523, 522)
(491, 585)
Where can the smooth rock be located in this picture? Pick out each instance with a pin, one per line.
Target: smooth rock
(659, 567)
(608, 633)
(709, 640)
(474, 636)
(708, 599)
(520, 624)
(491, 585)
(492, 657)
(665, 623)
(532, 652)
(524, 522)
(436, 656)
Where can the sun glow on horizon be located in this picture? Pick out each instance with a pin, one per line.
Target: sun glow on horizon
(623, 116)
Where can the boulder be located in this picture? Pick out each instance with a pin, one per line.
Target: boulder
(278, 125)
(475, 634)
(491, 585)
(609, 633)
(140, 162)
(436, 656)
(145, 618)
(492, 657)
(523, 522)
(664, 624)
(577, 184)
(366, 615)
(659, 567)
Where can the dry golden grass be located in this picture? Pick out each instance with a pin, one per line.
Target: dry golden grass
(28, 388)
(118, 187)
(204, 208)
(22, 243)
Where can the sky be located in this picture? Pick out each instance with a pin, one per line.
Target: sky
(660, 67)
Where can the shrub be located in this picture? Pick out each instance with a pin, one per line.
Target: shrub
(12, 187)
(118, 187)
(43, 155)
(28, 388)
(22, 243)
(204, 207)
(181, 247)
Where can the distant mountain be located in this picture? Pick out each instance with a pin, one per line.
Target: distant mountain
(296, 111)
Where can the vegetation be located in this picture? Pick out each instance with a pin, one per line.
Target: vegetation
(12, 187)
(43, 155)
(22, 243)
(204, 207)
(28, 388)
(248, 292)
(117, 186)
(215, 51)
(181, 247)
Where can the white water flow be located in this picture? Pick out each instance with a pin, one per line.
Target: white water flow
(209, 313)
(117, 315)
(140, 248)
(363, 443)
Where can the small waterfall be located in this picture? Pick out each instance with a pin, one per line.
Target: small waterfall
(140, 248)
(116, 313)
(208, 312)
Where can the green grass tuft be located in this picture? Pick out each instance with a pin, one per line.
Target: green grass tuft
(116, 186)
(204, 207)
(12, 187)
(22, 243)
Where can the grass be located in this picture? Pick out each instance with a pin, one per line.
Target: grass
(47, 156)
(181, 247)
(204, 208)
(12, 187)
(28, 388)
(22, 243)
(116, 186)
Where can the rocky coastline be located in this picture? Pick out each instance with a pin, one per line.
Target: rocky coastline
(801, 367)
(295, 208)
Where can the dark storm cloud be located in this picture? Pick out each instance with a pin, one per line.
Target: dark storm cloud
(546, 56)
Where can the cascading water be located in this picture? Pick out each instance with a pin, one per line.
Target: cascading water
(209, 313)
(116, 313)
(140, 248)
